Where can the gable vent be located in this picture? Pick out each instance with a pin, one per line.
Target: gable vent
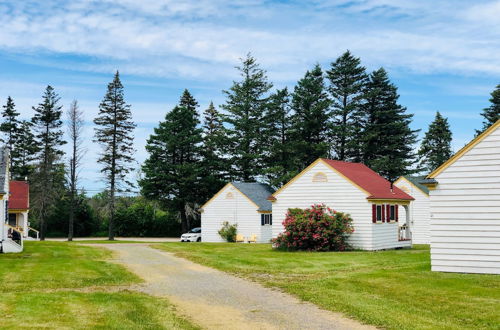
(229, 195)
(320, 177)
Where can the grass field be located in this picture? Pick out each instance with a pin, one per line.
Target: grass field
(391, 289)
(65, 285)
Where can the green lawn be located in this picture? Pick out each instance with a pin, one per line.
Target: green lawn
(391, 289)
(65, 285)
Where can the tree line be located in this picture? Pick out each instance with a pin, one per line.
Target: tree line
(257, 134)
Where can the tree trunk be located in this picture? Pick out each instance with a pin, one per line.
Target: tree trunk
(184, 223)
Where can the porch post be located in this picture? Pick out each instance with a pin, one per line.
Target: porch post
(408, 222)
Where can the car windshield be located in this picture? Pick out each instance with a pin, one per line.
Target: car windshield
(195, 230)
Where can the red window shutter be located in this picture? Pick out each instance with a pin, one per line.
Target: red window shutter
(397, 213)
(383, 213)
(374, 213)
(388, 213)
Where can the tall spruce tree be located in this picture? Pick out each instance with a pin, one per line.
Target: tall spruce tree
(10, 124)
(279, 168)
(435, 148)
(310, 123)
(49, 137)
(387, 137)
(348, 79)
(173, 168)
(492, 113)
(114, 132)
(215, 166)
(24, 152)
(246, 102)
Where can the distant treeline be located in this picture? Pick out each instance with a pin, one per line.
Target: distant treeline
(257, 134)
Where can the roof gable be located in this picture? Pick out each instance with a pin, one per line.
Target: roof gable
(415, 181)
(19, 195)
(360, 176)
(464, 150)
(256, 193)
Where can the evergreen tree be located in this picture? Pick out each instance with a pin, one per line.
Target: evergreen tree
(245, 105)
(388, 138)
(114, 133)
(49, 137)
(347, 86)
(215, 168)
(435, 148)
(492, 113)
(310, 120)
(279, 168)
(173, 167)
(10, 124)
(24, 152)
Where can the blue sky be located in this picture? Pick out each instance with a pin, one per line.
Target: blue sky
(443, 55)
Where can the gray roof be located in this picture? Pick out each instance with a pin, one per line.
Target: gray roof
(416, 180)
(4, 168)
(257, 193)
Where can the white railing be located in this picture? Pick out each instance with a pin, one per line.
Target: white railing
(37, 233)
(19, 231)
(404, 233)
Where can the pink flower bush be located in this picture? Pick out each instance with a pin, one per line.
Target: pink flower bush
(318, 228)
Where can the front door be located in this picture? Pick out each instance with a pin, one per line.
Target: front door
(13, 219)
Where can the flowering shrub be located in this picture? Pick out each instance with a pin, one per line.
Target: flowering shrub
(228, 232)
(318, 228)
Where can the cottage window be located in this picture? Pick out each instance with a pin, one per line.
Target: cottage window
(320, 177)
(266, 219)
(379, 213)
(393, 213)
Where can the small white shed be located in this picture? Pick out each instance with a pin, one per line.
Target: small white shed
(241, 203)
(353, 188)
(419, 209)
(465, 208)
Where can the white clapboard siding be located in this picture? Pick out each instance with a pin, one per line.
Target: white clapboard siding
(341, 195)
(465, 211)
(236, 210)
(419, 211)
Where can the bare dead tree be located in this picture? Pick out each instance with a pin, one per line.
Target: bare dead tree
(75, 130)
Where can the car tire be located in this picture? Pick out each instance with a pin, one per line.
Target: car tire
(199, 239)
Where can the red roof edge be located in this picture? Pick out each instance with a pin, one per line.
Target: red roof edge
(19, 195)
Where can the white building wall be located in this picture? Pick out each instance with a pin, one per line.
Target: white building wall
(237, 210)
(419, 210)
(465, 211)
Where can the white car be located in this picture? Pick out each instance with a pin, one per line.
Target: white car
(194, 235)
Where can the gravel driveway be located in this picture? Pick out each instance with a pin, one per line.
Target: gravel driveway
(216, 300)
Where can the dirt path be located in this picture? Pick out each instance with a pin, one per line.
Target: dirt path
(216, 300)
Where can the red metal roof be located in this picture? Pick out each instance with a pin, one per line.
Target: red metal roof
(368, 180)
(19, 195)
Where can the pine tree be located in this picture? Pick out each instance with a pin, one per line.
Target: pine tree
(246, 102)
(24, 152)
(310, 121)
(215, 167)
(492, 113)
(10, 124)
(49, 137)
(347, 87)
(173, 167)
(387, 137)
(279, 168)
(435, 148)
(114, 132)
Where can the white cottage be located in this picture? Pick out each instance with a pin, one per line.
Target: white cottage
(241, 203)
(419, 209)
(14, 226)
(465, 208)
(353, 188)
